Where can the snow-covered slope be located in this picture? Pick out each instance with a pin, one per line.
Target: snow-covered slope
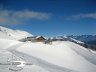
(62, 54)
(7, 33)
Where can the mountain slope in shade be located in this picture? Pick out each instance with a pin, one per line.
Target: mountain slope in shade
(7, 33)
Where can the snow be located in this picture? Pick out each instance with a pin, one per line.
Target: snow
(7, 33)
(61, 54)
(77, 41)
(5, 43)
(37, 64)
(34, 68)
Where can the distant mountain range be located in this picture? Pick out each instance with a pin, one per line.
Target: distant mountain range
(90, 40)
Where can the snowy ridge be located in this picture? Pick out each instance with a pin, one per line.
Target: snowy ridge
(13, 34)
(77, 41)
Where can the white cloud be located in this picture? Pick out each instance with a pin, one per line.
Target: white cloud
(82, 16)
(31, 14)
(11, 16)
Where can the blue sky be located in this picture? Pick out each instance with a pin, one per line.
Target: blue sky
(50, 17)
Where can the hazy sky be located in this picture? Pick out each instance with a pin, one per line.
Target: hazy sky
(50, 17)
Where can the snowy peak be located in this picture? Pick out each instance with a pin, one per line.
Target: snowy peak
(77, 41)
(84, 38)
(13, 34)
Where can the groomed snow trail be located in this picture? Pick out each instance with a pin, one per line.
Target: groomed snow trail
(37, 62)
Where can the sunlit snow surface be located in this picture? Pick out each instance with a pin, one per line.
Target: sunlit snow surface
(61, 56)
(6, 33)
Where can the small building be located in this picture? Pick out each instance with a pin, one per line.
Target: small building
(35, 39)
(32, 39)
(48, 41)
(40, 39)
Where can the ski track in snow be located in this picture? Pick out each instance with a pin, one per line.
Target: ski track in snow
(35, 61)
